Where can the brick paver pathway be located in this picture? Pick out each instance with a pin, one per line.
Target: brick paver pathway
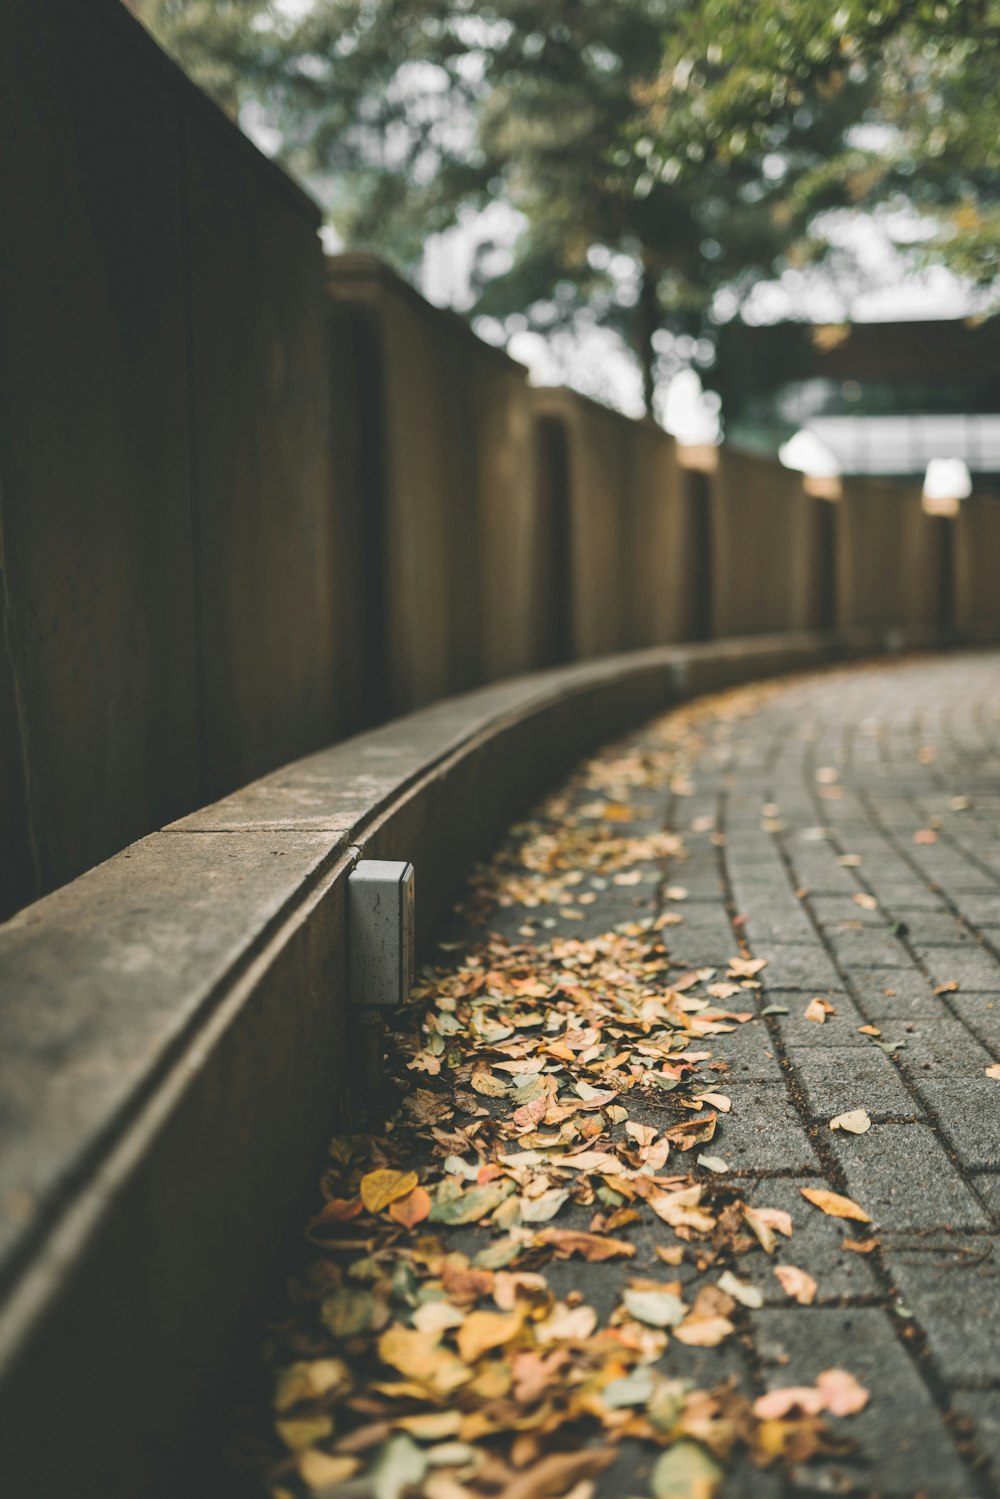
(846, 828)
(879, 786)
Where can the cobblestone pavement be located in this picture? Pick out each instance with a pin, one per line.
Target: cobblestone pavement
(845, 827)
(800, 824)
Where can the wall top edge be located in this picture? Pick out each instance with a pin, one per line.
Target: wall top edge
(359, 271)
(132, 32)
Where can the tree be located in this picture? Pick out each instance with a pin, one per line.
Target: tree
(656, 150)
(731, 75)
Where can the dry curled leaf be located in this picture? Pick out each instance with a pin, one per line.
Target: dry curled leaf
(842, 1394)
(777, 1404)
(797, 1284)
(834, 1205)
(855, 1122)
(818, 1009)
(566, 1242)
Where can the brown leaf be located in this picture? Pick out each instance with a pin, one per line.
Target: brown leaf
(591, 1247)
(557, 1473)
(834, 1205)
(339, 1210)
(860, 1246)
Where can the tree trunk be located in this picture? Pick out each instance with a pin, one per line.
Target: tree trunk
(647, 323)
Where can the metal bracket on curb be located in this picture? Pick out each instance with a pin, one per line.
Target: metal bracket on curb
(380, 949)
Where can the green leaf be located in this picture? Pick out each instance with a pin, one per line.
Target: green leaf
(686, 1472)
(655, 1308)
(347, 1311)
(471, 1206)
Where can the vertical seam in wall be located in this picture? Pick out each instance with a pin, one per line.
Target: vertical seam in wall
(197, 580)
(20, 707)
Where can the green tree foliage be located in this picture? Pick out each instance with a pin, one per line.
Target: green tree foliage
(692, 144)
(732, 75)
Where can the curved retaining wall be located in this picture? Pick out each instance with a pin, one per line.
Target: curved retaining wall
(177, 1048)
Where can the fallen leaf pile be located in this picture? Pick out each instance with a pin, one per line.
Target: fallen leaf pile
(555, 1100)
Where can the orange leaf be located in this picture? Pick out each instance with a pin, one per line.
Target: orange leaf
(411, 1209)
(834, 1205)
(340, 1210)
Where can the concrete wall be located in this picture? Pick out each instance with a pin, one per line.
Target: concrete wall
(889, 570)
(163, 489)
(449, 467)
(977, 567)
(763, 549)
(629, 580)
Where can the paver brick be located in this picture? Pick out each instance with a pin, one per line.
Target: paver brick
(968, 1110)
(896, 994)
(901, 1175)
(952, 1286)
(834, 1079)
(904, 1444)
(801, 965)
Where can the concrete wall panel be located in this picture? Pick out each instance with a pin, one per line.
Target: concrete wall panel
(449, 468)
(887, 570)
(599, 498)
(977, 566)
(258, 366)
(95, 462)
(759, 520)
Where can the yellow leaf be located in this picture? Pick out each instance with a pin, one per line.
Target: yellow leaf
(300, 1432)
(379, 1188)
(419, 1356)
(320, 1471)
(482, 1331)
(856, 1122)
(488, 1085)
(834, 1205)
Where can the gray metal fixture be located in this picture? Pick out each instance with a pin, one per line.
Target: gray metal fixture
(380, 926)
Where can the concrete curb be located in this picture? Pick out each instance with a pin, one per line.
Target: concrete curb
(175, 1025)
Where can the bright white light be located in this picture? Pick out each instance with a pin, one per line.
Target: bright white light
(946, 482)
(808, 455)
(691, 415)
